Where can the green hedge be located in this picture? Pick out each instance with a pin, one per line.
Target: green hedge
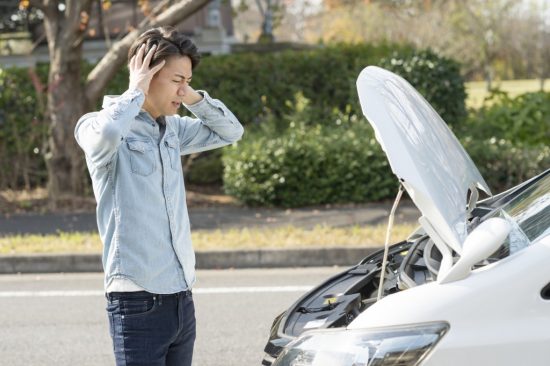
(504, 163)
(249, 83)
(260, 87)
(340, 161)
(508, 138)
(309, 165)
(345, 164)
(252, 83)
(524, 119)
(437, 78)
(22, 129)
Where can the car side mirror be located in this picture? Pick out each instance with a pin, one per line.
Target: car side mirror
(479, 245)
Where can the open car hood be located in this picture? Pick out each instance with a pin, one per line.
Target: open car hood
(423, 153)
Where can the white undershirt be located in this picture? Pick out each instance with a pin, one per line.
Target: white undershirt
(123, 285)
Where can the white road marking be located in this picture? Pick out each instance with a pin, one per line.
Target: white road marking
(206, 290)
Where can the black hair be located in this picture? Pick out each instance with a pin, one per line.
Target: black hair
(169, 41)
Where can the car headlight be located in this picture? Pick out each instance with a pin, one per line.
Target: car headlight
(395, 346)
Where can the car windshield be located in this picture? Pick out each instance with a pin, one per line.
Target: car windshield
(529, 214)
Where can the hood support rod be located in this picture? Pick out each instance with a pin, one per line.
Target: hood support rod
(387, 244)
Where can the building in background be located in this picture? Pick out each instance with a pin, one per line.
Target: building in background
(211, 28)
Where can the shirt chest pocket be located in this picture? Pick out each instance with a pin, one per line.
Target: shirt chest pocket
(142, 157)
(172, 145)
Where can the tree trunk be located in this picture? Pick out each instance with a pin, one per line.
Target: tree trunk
(67, 98)
(65, 32)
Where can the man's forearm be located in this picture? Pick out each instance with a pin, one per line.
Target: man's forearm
(191, 97)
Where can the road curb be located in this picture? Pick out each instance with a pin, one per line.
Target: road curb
(264, 258)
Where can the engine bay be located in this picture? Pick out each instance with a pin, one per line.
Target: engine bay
(416, 261)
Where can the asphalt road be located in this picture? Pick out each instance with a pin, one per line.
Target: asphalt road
(208, 218)
(60, 319)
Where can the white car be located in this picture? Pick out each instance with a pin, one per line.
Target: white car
(470, 287)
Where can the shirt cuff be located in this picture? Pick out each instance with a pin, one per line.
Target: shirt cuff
(128, 102)
(207, 107)
(134, 94)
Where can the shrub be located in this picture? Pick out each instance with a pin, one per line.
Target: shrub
(22, 130)
(258, 88)
(524, 119)
(308, 165)
(207, 168)
(437, 78)
(304, 163)
(250, 82)
(505, 164)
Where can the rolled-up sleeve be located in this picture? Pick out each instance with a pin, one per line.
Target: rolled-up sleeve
(215, 126)
(99, 134)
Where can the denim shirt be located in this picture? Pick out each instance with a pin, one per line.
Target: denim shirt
(138, 185)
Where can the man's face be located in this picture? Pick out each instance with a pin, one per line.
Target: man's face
(168, 87)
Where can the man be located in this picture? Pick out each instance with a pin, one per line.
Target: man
(133, 147)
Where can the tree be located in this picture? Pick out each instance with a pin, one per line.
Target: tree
(65, 24)
(529, 51)
(271, 13)
(543, 43)
(476, 32)
(485, 22)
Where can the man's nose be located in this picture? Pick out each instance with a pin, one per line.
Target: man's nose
(181, 91)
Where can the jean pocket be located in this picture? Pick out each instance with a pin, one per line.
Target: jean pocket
(142, 157)
(132, 308)
(112, 306)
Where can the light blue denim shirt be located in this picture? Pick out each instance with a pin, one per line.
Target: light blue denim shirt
(138, 185)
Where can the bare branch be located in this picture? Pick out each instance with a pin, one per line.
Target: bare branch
(262, 11)
(77, 15)
(116, 57)
(48, 7)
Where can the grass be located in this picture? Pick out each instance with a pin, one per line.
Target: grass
(477, 90)
(247, 238)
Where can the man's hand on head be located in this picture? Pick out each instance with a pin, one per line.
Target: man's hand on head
(140, 73)
(191, 96)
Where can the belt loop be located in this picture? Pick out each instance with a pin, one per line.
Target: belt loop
(160, 299)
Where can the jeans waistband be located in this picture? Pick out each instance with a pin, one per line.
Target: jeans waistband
(138, 294)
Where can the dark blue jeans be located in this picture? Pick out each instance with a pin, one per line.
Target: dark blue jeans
(152, 329)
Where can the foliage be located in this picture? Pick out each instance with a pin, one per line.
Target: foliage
(437, 78)
(508, 137)
(524, 119)
(259, 88)
(340, 161)
(22, 131)
(256, 86)
(206, 169)
(309, 164)
(251, 83)
(505, 163)
(304, 142)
